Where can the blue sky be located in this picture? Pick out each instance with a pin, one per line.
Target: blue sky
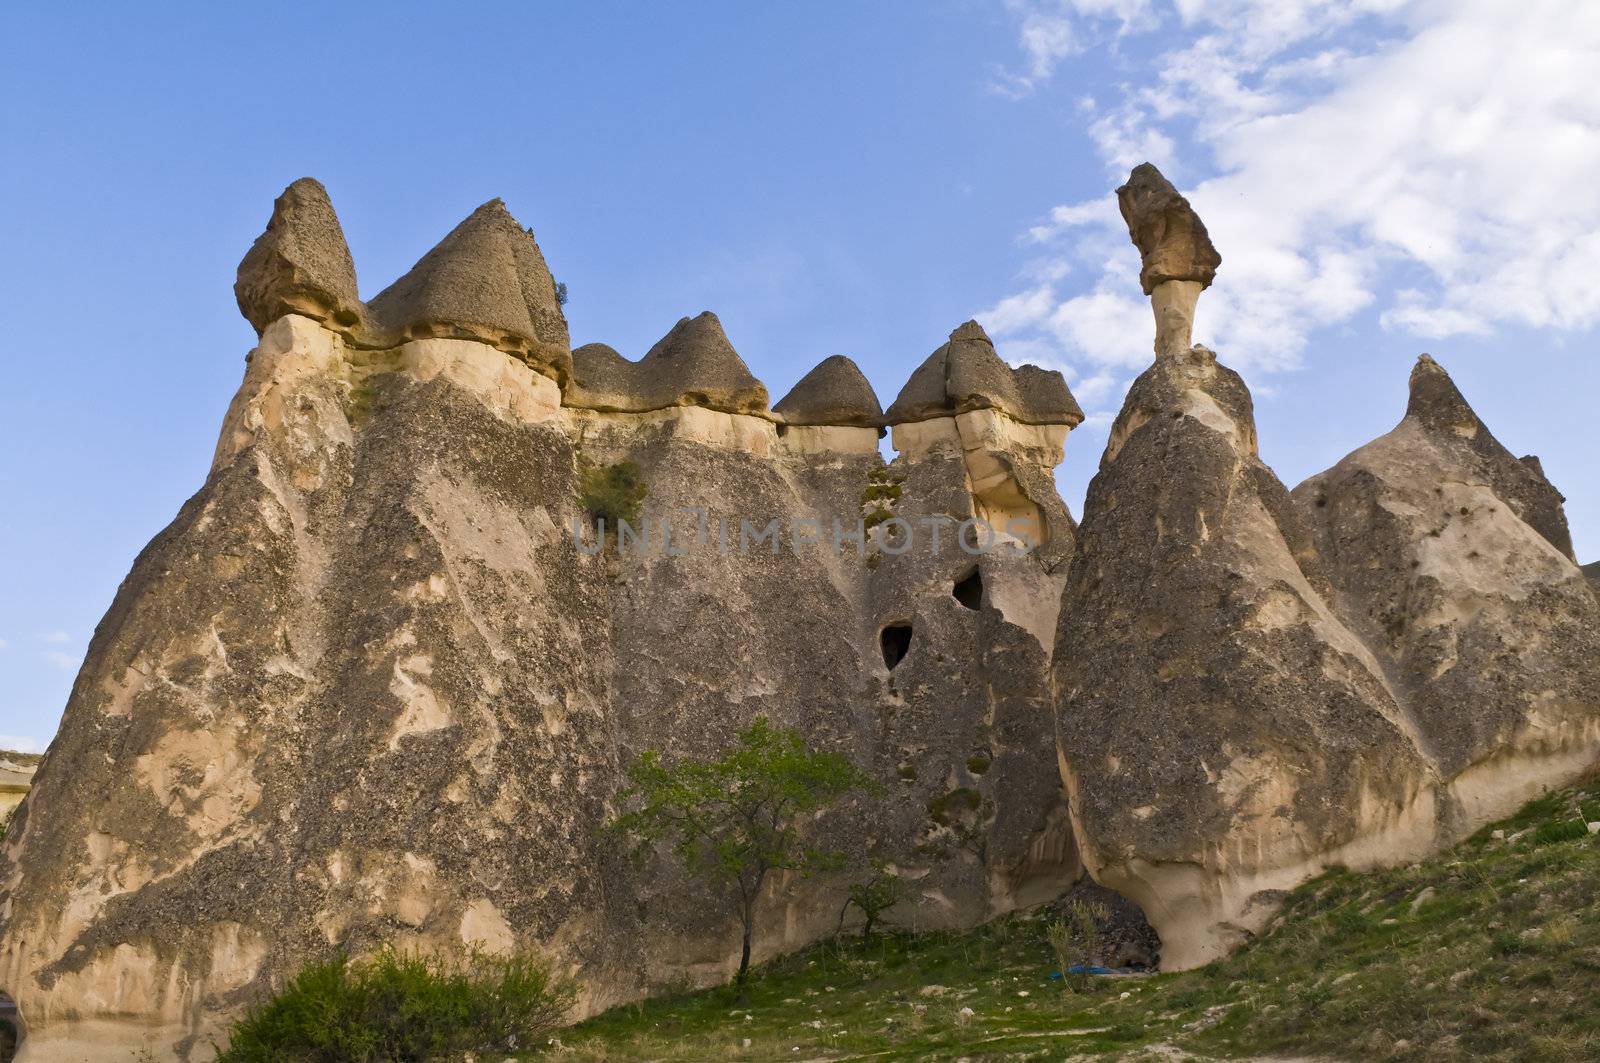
(1381, 177)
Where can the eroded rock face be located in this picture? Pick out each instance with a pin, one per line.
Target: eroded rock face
(1223, 734)
(1009, 425)
(370, 687)
(1454, 561)
(378, 680)
(1253, 685)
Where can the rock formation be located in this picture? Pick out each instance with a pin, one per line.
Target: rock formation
(301, 264)
(369, 685)
(378, 680)
(15, 781)
(1177, 261)
(1454, 562)
(1253, 685)
(692, 365)
(1009, 425)
(834, 393)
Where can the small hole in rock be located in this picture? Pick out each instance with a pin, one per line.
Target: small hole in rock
(969, 591)
(783, 430)
(896, 643)
(10, 1028)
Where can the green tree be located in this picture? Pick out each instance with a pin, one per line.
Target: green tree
(874, 896)
(731, 820)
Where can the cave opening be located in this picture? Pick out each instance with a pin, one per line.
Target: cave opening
(10, 1028)
(969, 590)
(895, 641)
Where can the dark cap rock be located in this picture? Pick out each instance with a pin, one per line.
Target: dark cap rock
(487, 280)
(300, 264)
(1171, 238)
(834, 393)
(692, 365)
(966, 374)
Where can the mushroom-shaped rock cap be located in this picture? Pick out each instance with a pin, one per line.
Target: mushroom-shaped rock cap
(692, 365)
(486, 280)
(834, 393)
(300, 264)
(1172, 240)
(966, 374)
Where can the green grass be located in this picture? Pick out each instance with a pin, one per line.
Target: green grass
(612, 493)
(1500, 961)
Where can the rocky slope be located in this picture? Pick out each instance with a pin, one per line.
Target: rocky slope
(1253, 684)
(378, 680)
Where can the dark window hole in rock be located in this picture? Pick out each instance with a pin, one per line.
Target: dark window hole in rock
(1126, 939)
(969, 590)
(783, 430)
(10, 1028)
(895, 641)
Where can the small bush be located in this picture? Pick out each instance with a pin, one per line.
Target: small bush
(401, 1007)
(612, 493)
(1075, 939)
(1565, 830)
(874, 896)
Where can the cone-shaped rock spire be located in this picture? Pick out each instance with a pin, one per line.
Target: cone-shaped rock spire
(834, 393)
(300, 264)
(692, 365)
(486, 280)
(1438, 406)
(966, 374)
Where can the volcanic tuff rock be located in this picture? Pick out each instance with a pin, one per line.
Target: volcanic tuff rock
(378, 680)
(1223, 734)
(834, 393)
(1177, 259)
(1172, 240)
(370, 685)
(1252, 685)
(486, 281)
(692, 365)
(301, 264)
(1454, 561)
(965, 374)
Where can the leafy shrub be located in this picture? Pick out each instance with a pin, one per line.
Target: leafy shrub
(612, 493)
(401, 1007)
(1074, 937)
(875, 896)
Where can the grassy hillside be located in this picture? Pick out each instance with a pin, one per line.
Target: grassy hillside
(1491, 950)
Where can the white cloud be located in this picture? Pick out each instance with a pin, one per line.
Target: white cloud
(1433, 161)
(64, 661)
(56, 638)
(1050, 32)
(21, 744)
(4, 645)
